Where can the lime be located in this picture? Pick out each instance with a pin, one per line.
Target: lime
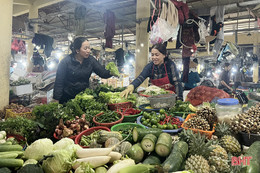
(162, 111)
(169, 126)
(145, 123)
(154, 121)
(154, 126)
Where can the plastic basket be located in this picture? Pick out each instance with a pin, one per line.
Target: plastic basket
(10, 114)
(131, 118)
(108, 124)
(115, 106)
(88, 132)
(173, 131)
(249, 139)
(207, 133)
(126, 126)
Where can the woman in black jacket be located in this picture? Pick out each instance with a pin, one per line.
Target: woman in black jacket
(74, 71)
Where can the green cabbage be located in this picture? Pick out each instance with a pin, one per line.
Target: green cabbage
(63, 143)
(30, 161)
(38, 148)
(60, 162)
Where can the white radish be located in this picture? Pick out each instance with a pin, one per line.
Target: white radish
(90, 152)
(120, 165)
(93, 161)
(114, 156)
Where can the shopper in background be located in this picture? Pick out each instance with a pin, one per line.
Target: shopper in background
(162, 72)
(193, 77)
(225, 79)
(74, 71)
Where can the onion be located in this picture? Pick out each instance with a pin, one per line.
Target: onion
(86, 127)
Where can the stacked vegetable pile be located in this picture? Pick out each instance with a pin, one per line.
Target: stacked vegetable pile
(71, 127)
(201, 94)
(161, 120)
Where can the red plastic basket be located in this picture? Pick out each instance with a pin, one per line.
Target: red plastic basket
(108, 124)
(88, 132)
(207, 133)
(116, 106)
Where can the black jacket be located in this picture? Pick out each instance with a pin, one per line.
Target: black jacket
(73, 77)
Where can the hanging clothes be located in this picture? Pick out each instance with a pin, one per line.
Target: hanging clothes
(170, 14)
(44, 40)
(110, 19)
(218, 12)
(183, 10)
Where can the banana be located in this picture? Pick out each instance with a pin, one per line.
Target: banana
(193, 108)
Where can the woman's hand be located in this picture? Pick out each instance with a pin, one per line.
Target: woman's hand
(127, 91)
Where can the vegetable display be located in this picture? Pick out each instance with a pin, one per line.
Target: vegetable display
(201, 94)
(154, 90)
(161, 121)
(71, 127)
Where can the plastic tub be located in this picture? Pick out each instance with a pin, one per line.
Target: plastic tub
(207, 133)
(88, 132)
(227, 108)
(131, 118)
(116, 106)
(162, 101)
(248, 139)
(108, 124)
(138, 121)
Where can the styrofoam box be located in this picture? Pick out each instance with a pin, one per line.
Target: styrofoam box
(22, 89)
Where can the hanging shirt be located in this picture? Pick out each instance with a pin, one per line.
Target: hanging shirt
(157, 72)
(73, 77)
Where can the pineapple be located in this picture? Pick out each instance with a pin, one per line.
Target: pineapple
(222, 129)
(208, 113)
(230, 144)
(197, 164)
(219, 152)
(197, 123)
(218, 165)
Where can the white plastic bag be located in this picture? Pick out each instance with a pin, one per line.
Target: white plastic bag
(162, 31)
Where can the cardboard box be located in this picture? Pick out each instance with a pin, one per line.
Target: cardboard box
(22, 89)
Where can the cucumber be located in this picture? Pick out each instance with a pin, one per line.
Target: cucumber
(11, 163)
(139, 133)
(10, 148)
(164, 145)
(101, 169)
(8, 156)
(148, 142)
(152, 160)
(20, 153)
(175, 160)
(5, 170)
(136, 153)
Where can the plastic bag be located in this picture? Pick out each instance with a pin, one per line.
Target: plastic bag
(162, 31)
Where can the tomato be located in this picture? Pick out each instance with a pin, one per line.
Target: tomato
(154, 121)
(145, 123)
(146, 115)
(162, 111)
(154, 126)
(169, 126)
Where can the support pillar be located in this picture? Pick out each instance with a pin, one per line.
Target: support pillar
(6, 9)
(142, 37)
(33, 13)
(255, 51)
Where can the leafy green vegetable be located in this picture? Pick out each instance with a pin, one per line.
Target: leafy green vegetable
(59, 163)
(49, 115)
(21, 126)
(113, 69)
(114, 97)
(38, 149)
